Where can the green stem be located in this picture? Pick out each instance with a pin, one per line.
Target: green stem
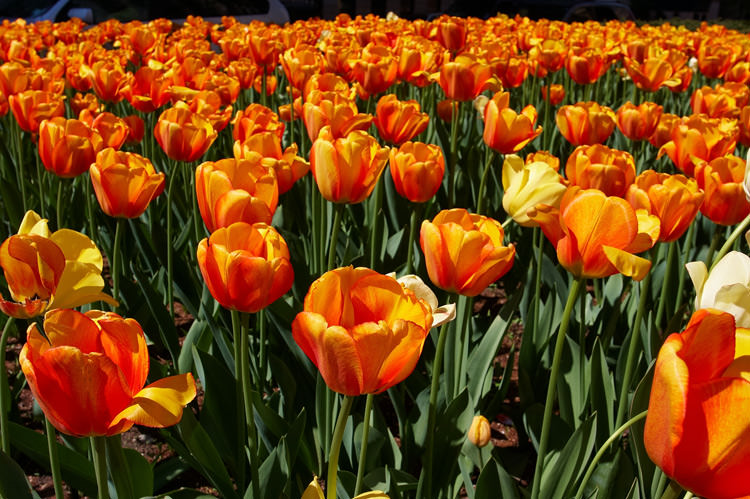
(712, 249)
(688, 495)
(673, 491)
(539, 239)
(666, 289)
(54, 460)
(365, 436)
(377, 207)
(119, 468)
(197, 221)
(431, 415)
(236, 331)
(452, 158)
(732, 238)
(99, 454)
(20, 168)
(339, 209)
(552, 387)
(115, 267)
(482, 185)
(635, 336)
(90, 212)
(40, 187)
(685, 259)
(247, 390)
(413, 222)
(333, 458)
(592, 465)
(263, 354)
(170, 270)
(461, 348)
(4, 390)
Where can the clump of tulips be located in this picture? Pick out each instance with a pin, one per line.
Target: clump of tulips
(373, 257)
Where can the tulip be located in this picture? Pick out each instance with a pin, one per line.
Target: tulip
(464, 253)
(674, 199)
(651, 74)
(714, 58)
(696, 423)
(113, 129)
(723, 182)
(699, 137)
(451, 32)
(46, 271)
(108, 79)
(314, 491)
(363, 330)
(334, 110)
(346, 169)
(638, 122)
(505, 130)
(544, 157)
(246, 267)
(465, 77)
(256, 118)
(585, 66)
(585, 123)
(87, 373)
(663, 132)
(265, 148)
(417, 170)
(596, 235)
(124, 183)
(399, 121)
(136, 129)
(726, 287)
(68, 147)
(182, 134)
(479, 432)
(32, 107)
(511, 70)
(147, 90)
(556, 93)
(377, 69)
(526, 185)
(417, 59)
(600, 167)
(301, 63)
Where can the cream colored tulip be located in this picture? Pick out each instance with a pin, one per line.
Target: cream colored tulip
(527, 185)
(314, 491)
(440, 314)
(726, 287)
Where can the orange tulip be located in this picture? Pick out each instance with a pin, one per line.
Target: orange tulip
(417, 59)
(108, 79)
(465, 78)
(417, 170)
(246, 267)
(301, 63)
(596, 235)
(464, 252)
(674, 199)
(363, 330)
(256, 118)
(147, 90)
(67, 147)
(376, 70)
(556, 93)
(651, 74)
(89, 102)
(700, 397)
(445, 109)
(714, 102)
(113, 129)
(346, 169)
(235, 190)
(714, 58)
(88, 370)
(124, 183)
(599, 167)
(334, 110)
(182, 134)
(722, 181)
(739, 72)
(638, 122)
(136, 128)
(506, 131)
(586, 65)
(544, 157)
(700, 138)
(398, 121)
(511, 70)
(32, 107)
(663, 132)
(451, 32)
(744, 125)
(585, 123)
(265, 148)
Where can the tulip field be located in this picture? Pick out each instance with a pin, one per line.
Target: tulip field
(374, 258)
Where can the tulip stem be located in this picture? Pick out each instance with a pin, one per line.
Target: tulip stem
(635, 336)
(377, 207)
(115, 263)
(488, 156)
(333, 457)
(732, 238)
(339, 209)
(17, 132)
(58, 205)
(247, 389)
(712, 248)
(363, 451)
(603, 449)
(4, 391)
(414, 220)
(236, 342)
(98, 452)
(54, 460)
(170, 276)
(673, 491)
(539, 243)
(90, 212)
(260, 324)
(685, 259)
(452, 158)
(666, 289)
(552, 387)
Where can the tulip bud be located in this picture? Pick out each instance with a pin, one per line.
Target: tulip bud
(479, 431)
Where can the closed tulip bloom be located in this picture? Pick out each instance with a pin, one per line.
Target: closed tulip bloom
(600, 167)
(246, 267)
(726, 287)
(334, 110)
(556, 93)
(465, 77)
(346, 169)
(464, 252)
(585, 66)
(674, 199)
(700, 138)
(651, 74)
(723, 182)
(49, 270)
(108, 79)
(147, 90)
(363, 330)
(714, 58)
(265, 148)
(124, 183)
(87, 373)
(235, 190)
(67, 147)
(479, 432)
(638, 122)
(398, 121)
(256, 118)
(526, 185)
(417, 170)
(376, 71)
(300, 63)
(545, 157)
(714, 102)
(585, 123)
(31, 107)
(506, 131)
(451, 32)
(696, 425)
(596, 235)
(182, 134)
(663, 132)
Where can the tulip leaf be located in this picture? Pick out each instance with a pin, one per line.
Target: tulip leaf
(613, 477)
(154, 301)
(645, 467)
(601, 393)
(77, 471)
(13, 482)
(182, 493)
(451, 426)
(495, 482)
(185, 359)
(573, 385)
(271, 474)
(483, 355)
(562, 470)
(467, 467)
(141, 473)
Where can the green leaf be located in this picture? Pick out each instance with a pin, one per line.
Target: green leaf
(494, 482)
(466, 467)
(572, 386)
(562, 471)
(602, 393)
(185, 359)
(141, 472)
(482, 357)
(13, 483)
(271, 474)
(451, 429)
(646, 469)
(167, 329)
(182, 494)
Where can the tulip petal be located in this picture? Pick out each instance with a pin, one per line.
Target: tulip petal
(626, 263)
(160, 404)
(313, 491)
